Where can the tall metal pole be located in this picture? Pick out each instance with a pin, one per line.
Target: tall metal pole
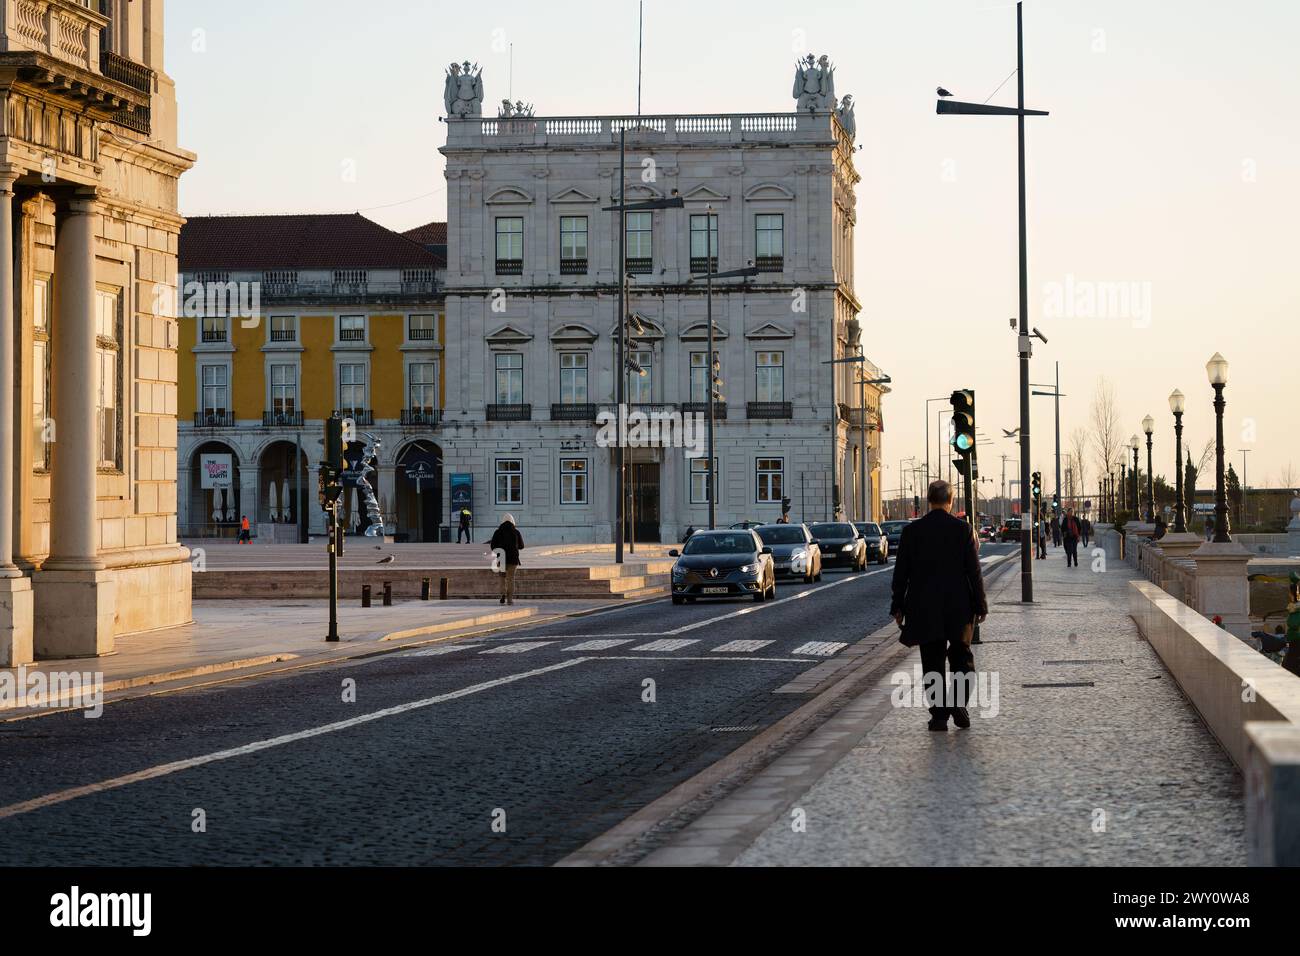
(1180, 518)
(1026, 544)
(1151, 488)
(1221, 535)
(1057, 400)
(1137, 485)
(862, 435)
(621, 360)
(333, 634)
(708, 321)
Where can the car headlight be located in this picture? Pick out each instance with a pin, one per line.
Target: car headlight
(847, 547)
(678, 572)
(748, 568)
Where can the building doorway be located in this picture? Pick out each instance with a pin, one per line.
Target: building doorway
(418, 515)
(645, 500)
(212, 512)
(281, 486)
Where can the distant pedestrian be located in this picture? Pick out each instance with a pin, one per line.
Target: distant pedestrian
(1161, 527)
(1086, 527)
(462, 526)
(508, 539)
(1056, 531)
(1209, 527)
(784, 519)
(938, 597)
(245, 531)
(1071, 532)
(690, 530)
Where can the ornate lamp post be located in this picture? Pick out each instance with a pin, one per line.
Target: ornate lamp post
(1148, 426)
(1216, 369)
(1135, 444)
(1176, 405)
(1123, 486)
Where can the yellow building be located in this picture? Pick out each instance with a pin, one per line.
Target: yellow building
(89, 166)
(286, 320)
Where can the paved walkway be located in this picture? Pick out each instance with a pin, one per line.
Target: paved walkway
(248, 635)
(363, 553)
(1118, 770)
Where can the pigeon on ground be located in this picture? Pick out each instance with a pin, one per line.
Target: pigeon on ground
(389, 559)
(942, 92)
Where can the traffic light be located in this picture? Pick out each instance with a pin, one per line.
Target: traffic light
(963, 420)
(785, 506)
(1035, 484)
(962, 465)
(334, 443)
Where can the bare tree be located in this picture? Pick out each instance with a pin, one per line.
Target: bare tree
(1207, 454)
(1289, 477)
(1107, 442)
(1079, 452)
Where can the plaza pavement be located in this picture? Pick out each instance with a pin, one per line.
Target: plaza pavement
(1119, 771)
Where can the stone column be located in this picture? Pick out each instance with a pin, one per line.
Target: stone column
(75, 597)
(1221, 585)
(16, 605)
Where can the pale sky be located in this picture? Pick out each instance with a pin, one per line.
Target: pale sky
(1169, 168)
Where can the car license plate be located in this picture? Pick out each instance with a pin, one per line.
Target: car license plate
(717, 590)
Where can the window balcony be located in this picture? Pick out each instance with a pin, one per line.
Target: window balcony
(572, 412)
(422, 335)
(770, 263)
(573, 267)
(215, 335)
(352, 335)
(284, 335)
(214, 419)
(359, 416)
(509, 413)
(640, 265)
(510, 267)
(421, 417)
(755, 410)
(702, 408)
(281, 419)
(702, 264)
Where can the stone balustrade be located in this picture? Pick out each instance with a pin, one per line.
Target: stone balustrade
(67, 31)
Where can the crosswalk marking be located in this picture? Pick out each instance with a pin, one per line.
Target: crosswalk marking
(669, 645)
(597, 645)
(517, 648)
(820, 648)
(741, 647)
(434, 651)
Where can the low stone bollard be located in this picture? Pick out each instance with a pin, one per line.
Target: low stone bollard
(1272, 776)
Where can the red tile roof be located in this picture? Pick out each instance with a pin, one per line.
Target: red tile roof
(430, 234)
(310, 241)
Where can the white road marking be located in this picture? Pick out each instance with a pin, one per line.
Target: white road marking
(519, 648)
(435, 651)
(597, 645)
(820, 648)
(162, 770)
(758, 607)
(670, 645)
(741, 647)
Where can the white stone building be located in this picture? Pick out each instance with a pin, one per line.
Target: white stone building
(89, 166)
(531, 305)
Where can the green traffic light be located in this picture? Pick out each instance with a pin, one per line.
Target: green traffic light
(964, 443)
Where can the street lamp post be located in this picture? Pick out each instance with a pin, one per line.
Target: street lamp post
(1216, 369)
(1148, 426)
(1135, 444)
(623, 208)
(1024, 341)
(1123, 486)
(1177, 403)
(747, 273)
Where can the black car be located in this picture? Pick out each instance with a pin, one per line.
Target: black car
(894, 533)
(723, 563)
(1010, 530)
(794, 551)
(877, 543)
(840, 543)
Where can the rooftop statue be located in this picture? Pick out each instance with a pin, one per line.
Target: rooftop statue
(462, 92)
(845, 114)
(814, 84)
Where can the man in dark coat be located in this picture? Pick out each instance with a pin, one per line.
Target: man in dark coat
(1071, 531)
(510, 542)
(938, 593)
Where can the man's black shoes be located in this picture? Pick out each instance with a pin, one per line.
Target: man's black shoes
(940, 724)
(961, 717)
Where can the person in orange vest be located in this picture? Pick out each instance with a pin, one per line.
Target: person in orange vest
(245, 536)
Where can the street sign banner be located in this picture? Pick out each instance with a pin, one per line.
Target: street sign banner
(462, 492)
(216, 471)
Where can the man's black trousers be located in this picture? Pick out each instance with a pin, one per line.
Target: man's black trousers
(959, 659)
(1071, 552)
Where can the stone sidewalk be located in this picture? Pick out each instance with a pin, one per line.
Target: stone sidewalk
(249, 637)
(1114, 770)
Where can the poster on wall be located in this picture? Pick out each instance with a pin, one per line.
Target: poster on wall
(216, 471)
(462, 493)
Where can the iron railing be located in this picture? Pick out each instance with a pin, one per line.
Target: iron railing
(214, 419)
(769, 410)
(572, 412)
(422, 417)
(509, 413)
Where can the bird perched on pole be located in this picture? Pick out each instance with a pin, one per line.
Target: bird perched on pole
(942, 92)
